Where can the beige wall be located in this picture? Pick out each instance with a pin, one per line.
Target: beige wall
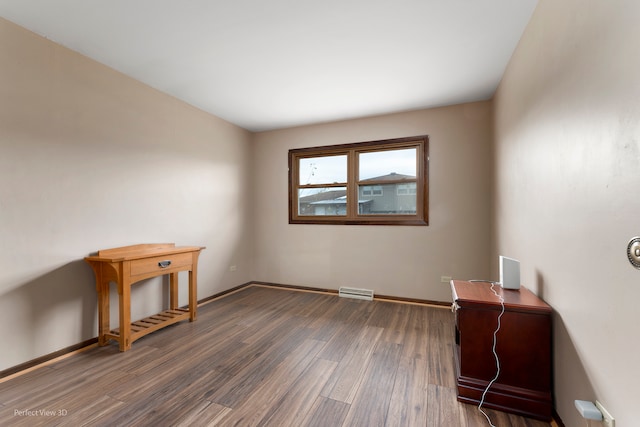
(568, 170)
(91, 159)
(402, 261)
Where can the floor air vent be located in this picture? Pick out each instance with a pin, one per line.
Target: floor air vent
(356, 293)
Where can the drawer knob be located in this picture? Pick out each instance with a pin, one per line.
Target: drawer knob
(164, 264)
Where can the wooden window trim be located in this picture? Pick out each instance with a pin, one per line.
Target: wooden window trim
(352, 150)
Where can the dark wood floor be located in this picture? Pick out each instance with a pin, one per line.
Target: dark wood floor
(265, 357)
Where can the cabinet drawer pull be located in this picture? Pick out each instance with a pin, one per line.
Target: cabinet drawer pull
(164, 264)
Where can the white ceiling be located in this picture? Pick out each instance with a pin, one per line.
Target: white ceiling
(267, 64)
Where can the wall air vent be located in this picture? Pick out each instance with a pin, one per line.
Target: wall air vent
(366, 294)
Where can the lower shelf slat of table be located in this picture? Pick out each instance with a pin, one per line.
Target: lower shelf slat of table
(151, 324)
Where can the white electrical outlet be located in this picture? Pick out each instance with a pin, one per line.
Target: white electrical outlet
(233, 268)
(607, 419)
(445, 279)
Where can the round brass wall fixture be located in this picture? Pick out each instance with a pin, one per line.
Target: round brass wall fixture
(633, 252)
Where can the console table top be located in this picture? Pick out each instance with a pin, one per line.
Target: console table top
(147, 250)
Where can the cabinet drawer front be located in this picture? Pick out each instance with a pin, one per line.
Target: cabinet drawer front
(160, 263)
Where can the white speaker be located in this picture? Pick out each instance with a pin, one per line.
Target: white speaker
(509, 273)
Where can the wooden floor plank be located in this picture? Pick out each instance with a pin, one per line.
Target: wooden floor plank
(350, 372)
(416, 341)
(408, 405)
(441, 347)
(396, 330)
(258, 404)
(263, 356)
(443, 409)
(341, 343)
(292, 408)
(371, 403)
(208, 414)
(326, 412)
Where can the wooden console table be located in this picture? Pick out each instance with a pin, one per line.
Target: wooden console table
(129, 264)
(524, 386)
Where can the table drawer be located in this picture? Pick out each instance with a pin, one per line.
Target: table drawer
(160, 263)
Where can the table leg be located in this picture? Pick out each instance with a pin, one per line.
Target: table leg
(193, 294)
(103, 310)
(173, 291)
(124, 294)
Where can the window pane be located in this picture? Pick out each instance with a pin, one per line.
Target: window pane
(406, 189)
(371, 190)
(323, 170)
(393, 199)
(388, 164)
(322, 201)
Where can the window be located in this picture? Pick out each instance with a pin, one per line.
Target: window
(406, 189)
(378, 182)
(371, 190)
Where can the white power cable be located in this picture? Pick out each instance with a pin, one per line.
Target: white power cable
(495, 355)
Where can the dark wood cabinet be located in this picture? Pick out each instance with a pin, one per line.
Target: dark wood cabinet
(523, 347)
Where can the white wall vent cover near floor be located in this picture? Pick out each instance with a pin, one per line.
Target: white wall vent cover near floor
(356, 293)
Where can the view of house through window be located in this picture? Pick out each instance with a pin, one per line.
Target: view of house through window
(379, 182)
(324, 180)
(389, 170)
